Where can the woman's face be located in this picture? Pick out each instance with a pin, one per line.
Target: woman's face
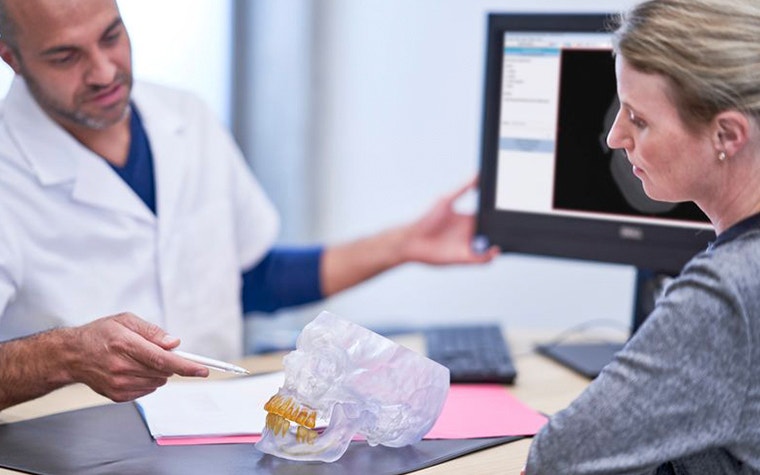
(671, 161)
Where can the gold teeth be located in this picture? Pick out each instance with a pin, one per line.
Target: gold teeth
(304, 435)
(277, 424)
(288, 408)
(280, 426)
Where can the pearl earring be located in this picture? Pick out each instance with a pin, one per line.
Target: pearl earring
(722, 156)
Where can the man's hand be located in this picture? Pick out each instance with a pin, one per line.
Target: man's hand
(443, 236)
(124, 357)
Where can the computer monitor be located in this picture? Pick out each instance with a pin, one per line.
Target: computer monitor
(549, 185)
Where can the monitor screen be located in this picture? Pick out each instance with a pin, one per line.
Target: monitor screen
(549, 185)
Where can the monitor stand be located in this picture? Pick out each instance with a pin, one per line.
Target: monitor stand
(588, 359)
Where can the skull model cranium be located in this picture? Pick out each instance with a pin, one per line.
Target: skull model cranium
(356, 382)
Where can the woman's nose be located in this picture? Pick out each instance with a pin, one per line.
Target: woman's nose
(616, 137)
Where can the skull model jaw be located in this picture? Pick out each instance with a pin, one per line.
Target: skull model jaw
(325, 446)
(359, 383)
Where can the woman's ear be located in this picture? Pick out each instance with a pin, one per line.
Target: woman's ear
(731, 132)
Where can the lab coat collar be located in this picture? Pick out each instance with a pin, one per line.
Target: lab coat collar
(56, 157)
(47, 148)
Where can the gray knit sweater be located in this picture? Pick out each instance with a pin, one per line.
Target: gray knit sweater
(683, 396)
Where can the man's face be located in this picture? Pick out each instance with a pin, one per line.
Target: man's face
(75, 56)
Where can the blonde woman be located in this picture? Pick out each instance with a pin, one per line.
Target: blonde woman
(683, 396)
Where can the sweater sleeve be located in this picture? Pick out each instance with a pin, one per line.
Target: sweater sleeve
(285, 277)
(676, 389)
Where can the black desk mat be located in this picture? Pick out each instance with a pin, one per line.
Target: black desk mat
(113, 439)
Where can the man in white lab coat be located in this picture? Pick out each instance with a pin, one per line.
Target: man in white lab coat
(130, 220)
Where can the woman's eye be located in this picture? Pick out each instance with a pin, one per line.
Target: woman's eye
(635, 120)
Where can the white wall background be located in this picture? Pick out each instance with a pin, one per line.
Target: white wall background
(183, 43)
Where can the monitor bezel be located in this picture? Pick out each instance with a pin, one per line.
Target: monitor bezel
(658, 247)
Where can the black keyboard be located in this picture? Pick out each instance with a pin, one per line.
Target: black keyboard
(473, 353)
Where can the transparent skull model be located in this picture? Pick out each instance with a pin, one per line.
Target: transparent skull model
(354, 381)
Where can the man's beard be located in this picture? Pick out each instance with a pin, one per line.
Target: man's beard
(74, 114)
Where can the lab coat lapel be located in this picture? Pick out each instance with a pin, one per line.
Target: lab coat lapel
(99, 185)
(166, 134)
(57, 158)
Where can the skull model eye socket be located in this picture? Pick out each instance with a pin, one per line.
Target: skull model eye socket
(329, 363)
(320, 370)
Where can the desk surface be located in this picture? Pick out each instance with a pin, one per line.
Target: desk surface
(542, 384)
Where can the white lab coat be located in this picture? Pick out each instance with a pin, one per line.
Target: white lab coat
(77, 243)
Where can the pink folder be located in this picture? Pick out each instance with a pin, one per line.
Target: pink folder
(471, 411)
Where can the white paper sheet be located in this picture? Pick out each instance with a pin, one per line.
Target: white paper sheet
(209, 407)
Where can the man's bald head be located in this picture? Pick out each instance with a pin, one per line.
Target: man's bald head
(8, 28)
(21, 17)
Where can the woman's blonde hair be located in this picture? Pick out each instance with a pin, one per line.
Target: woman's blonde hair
(709, 49)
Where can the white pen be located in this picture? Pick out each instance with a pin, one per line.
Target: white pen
(212, 363)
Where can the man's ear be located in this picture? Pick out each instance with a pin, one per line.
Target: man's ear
(732, 132)
(9, 56)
